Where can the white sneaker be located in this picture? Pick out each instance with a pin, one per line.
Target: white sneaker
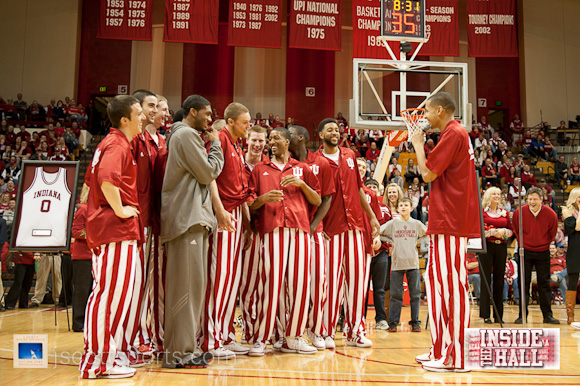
(298, 345)
(439, 367)
(237, 348)
(329, 342)
(317, 340)
(423, 358)
(258, 350)
(277, 346)
(382, 325)
(359, 341)
(222, 353)
(575, 325)
(118, 372)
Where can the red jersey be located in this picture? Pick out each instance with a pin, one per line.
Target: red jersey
(557, 264)
(79, 249)
(293, 210)
(346, 212)
(376, 207)
(13, 193)
(232, 182)
(504, 171)
(372, 154)
(528, 177)
(454, 204)
(159, 160)
(113, 162)
(321, 169)
(575, 169)
(248, 168)
(142, 153)
(487, 171)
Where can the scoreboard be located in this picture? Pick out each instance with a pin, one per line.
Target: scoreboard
(403, 20)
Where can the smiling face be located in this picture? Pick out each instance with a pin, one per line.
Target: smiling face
(149, 106)
(330, 134)
(278, 143)
(392, 194)
(362, 168)
(162, 114)
(256, 143)
(134, 124)
(202, 118)
(240, 125)
(534, 201)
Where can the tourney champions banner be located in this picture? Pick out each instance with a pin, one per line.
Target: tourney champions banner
(125, 19)
(314, 24)
(191, 21)
(491, 28)
(442, 24)
(255, 23)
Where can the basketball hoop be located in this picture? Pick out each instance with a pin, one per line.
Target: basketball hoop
(414, 120)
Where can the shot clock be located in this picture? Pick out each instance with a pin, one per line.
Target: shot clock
(403, 20)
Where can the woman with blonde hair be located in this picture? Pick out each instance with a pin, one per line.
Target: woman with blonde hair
(572, 230)
(391, 198)
(497, 231)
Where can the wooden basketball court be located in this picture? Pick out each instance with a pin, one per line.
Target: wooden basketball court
(390, 361)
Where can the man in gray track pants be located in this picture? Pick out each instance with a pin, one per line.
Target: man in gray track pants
(186, 221)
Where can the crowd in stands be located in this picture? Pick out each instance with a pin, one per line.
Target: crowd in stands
(56, 111)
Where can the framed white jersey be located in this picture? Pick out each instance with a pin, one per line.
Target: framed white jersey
(45, 206)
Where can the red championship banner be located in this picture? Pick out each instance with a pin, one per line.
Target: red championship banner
(491, 28)
(314, 24)
(191, 21)
(442, 25)
(126, 19)
(255, 23)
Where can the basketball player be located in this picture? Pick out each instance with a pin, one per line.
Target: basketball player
(318, 251)
(453, 218)
(229, 195)
(344, 224)
(185, 229)
(249, 277)
(143, 153)
(285, 188)
(115, 236)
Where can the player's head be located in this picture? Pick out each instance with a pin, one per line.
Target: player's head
(178, 115)
(197, 112)
(279, 141)
(125, 113)
(439, 109)
(361, 163)
(393, 195)
(256, 140)
(373, 185)
(238, 119)
(491, 195)
(162, 111)
(404, 206)
(148, 100)
(535, 198)
(299, 136)
(328, 131)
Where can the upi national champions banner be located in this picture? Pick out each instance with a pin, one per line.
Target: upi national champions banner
(491, 28)
(255, 23)
(191, 21)
(125, 19)
(314, 24)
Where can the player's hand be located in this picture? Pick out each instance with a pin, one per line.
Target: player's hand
(312, 230)
(37, 256)
(326, 237)
(376, 227)
(509, 280)
(226, 221)
(376, 243)
(418, 139)
(247, 240)
(128, 211)
(273, 196)
(211, 134)
(291, 180)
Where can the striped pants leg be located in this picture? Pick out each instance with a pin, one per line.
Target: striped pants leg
(448, 301)
(249, 287)
(156, 292)
(224, 271)
(132, 322)
(346, 269)
(143, 327)
(114, 272)
(318, 285)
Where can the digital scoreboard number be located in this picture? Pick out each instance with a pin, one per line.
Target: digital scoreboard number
(403, 20)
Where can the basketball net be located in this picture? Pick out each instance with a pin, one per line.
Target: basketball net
(414, 120)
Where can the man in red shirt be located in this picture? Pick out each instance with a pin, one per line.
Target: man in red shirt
(558, 270)
(453, 218)
(488, 173)
(344, 225)
(540, 227)
(229, 195)
(114, 234)
(142, 152)
(285, 189)
(319, 252)
(250, 256)
(528, 179)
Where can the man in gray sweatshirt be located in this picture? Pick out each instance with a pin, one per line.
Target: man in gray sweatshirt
(186, 221)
